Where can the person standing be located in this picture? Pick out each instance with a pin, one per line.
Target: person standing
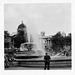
(47, 61)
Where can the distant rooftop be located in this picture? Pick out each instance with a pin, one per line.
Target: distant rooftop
(22, 25)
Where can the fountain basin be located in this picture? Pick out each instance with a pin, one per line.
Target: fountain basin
(26, 57)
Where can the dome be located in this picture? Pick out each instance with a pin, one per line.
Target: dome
(22, 25)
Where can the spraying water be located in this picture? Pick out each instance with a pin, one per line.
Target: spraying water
(36, 40)
(38, 45)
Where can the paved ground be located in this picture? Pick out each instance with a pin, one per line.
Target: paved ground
(28, 68)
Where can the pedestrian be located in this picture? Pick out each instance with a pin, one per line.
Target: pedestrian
(47, 61)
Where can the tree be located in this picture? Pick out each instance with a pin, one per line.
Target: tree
(7, 39)
(57, 42)
(6, 34)
(19, 39)
(68, 40)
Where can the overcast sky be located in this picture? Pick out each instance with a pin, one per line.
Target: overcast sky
(49, 17)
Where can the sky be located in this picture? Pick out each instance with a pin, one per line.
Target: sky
(47, 17)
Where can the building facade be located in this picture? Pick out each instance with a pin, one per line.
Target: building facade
(22, 30)
(46, 41)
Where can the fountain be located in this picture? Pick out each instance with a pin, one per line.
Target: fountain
(33, 48)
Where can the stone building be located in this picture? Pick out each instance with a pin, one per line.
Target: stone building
(22, 30)
(46, 41)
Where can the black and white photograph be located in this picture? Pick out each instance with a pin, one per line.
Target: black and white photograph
(37, 36)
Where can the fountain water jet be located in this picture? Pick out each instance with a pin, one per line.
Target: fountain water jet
(38, 47)
(36, 40)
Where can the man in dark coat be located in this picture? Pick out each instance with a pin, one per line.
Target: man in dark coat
(47, 61)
